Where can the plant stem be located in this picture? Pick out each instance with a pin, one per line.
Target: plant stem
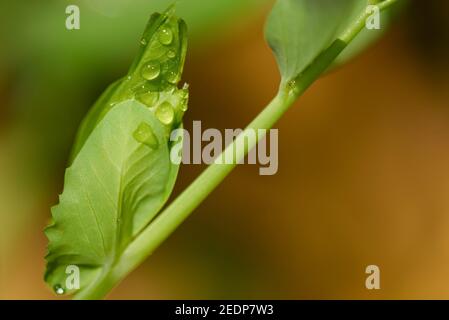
(159, 230)
(168, 220)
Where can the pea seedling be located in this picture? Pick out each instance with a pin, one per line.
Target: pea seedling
(109, 217)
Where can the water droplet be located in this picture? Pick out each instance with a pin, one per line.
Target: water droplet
(165, 36)
(171, 54)
(171, 77)
(143, 42)
(165, 113)
(151, 70)
(144, 134)
(148, 98)
(58, 289)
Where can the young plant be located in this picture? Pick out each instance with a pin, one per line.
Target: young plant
(108, 219)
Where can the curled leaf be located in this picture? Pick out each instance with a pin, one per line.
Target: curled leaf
(120, 173)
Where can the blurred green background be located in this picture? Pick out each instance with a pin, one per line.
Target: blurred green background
(364, 155)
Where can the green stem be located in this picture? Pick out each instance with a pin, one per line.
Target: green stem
(167, 222)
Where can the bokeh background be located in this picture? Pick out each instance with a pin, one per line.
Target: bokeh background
(364, 154)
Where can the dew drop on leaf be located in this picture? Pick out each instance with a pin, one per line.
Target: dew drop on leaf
(171, 54)
(151, 70)
(171, 77)
(148, 98)
(143, 42)
(165, 113)
(165, 36)
(58, 289)
(144, 134)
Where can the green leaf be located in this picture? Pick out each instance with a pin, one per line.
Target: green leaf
(114, 188)
(299, 30)
(121, 173)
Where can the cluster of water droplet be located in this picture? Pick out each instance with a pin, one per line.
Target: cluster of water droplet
(161, 73)
(157, 79)
(163, 64)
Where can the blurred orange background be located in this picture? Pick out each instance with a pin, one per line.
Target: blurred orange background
(363, 162)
